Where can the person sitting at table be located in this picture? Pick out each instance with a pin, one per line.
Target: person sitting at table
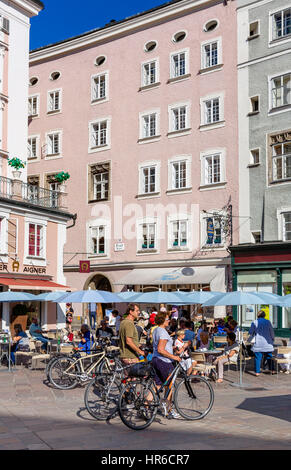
(67, 335)
(189, 335)
(204, 340)
(221, 328)
(86, 342)
(20, 341)
(173, 327)
(36, 333)
(229, 355)
(104, 331)
(202, 328)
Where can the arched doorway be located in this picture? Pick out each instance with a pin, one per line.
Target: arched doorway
(98, 282)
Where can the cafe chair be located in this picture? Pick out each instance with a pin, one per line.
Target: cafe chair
(278, 359)
(202, 365)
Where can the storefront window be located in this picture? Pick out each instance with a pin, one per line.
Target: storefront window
(257, 281)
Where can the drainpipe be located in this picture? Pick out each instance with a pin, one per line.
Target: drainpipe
(74, 221)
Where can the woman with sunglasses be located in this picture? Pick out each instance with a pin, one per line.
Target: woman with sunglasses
(163, 355)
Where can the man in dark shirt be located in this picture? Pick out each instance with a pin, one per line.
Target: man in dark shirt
(104, 331)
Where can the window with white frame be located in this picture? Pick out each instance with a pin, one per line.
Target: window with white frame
(100, 186)
(178, 233)
(179, 118)
(149, 73)
(210, 56)
(97, 240)
(281, 90)
(148, 239)
(99, 87)
(53, 143)
(99, 133)
(286, 226)
(33, 106)
(179, 64)
(149, 124)
(211, 111)
(54, 101)
(33, 188)
(281, 156)
(54, 187)
(148, 179)
(32, 148)
(179, 174)
(212, 169)
(99, 175)
(35, 240)
(281, 24)
(213, 235)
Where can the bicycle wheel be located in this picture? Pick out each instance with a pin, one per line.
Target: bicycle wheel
(50, 363)
(101, 397)
(58, 376)
(193, 397)
(135, 411)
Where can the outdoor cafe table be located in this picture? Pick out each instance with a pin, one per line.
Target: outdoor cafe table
(5, 349)
(209, 351)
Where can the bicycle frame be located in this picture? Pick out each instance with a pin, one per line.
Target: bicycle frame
(88, 370)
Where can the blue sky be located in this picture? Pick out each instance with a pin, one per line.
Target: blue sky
(62, 19)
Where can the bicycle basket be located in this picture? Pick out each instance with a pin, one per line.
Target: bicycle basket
(141, 369)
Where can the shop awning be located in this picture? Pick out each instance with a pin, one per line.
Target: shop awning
(213, 275)
(31, 284)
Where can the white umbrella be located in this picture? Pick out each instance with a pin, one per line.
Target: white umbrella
(11, 296)
(87, 296)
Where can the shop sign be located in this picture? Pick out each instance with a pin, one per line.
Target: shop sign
(84, 267)
(34, 270)
(119, 246)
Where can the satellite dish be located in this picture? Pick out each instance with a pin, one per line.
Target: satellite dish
(187, 271)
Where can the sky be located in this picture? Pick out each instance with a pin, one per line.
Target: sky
(62, 19)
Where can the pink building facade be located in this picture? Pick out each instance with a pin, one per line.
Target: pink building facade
(143, 116)
(33, 224)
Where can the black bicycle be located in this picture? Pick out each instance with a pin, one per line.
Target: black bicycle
(140, 398)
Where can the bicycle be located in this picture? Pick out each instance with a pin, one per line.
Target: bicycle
(193, 397)
(56, 356)
(102, 392)
(68, 371)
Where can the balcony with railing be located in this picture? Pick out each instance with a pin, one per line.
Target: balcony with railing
(31, 193)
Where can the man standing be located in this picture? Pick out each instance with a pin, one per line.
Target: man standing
(92, 314)
(128, 337)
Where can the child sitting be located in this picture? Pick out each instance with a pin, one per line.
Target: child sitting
(179, 347)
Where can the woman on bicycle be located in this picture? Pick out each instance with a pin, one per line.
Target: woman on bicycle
(163, 356)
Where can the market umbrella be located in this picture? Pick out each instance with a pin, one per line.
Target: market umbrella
(128, 295)
(286, 301)
(198, 297)
(11, 296)
(87, 296)
(243, 298)
(159, 297)
(50, 295)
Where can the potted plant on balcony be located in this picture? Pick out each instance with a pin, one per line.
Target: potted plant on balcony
(17, 164)
(61, 178)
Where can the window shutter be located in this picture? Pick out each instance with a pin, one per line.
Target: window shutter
(12, 236)
(5, 25)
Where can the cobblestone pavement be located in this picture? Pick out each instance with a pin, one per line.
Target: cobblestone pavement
(33, 415)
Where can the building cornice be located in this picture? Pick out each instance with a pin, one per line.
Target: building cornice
(32, 7)
(152, 264)
(109, 32)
